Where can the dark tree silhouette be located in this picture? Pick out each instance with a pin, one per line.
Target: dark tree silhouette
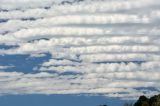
(102, 105)
(144, 101)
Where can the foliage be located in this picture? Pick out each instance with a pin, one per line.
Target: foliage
(144, 101)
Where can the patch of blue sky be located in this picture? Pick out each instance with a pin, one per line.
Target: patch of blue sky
(119, 62)
(147, 89)
(22, 63)
(59, 100)
(3, 20)
(2, 46)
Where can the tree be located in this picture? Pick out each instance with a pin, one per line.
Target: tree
(102, 105)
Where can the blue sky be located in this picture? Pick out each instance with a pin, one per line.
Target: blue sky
(83, 52)
(58, 100)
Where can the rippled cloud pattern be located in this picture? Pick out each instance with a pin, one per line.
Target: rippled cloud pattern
(90, 47)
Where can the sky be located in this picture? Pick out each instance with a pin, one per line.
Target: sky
(78, 52)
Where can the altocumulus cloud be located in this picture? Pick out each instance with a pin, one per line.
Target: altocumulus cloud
(96, 46)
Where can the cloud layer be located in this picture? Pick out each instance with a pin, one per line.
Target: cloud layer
(96, 46)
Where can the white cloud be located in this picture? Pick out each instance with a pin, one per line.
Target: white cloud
(76, 20)
(45, 83)
(5, 67)
(96, 47)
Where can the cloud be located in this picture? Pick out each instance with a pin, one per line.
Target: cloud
(96, 47)
(54, 65)
(76, 20)
(45, 83)
(5, 67)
